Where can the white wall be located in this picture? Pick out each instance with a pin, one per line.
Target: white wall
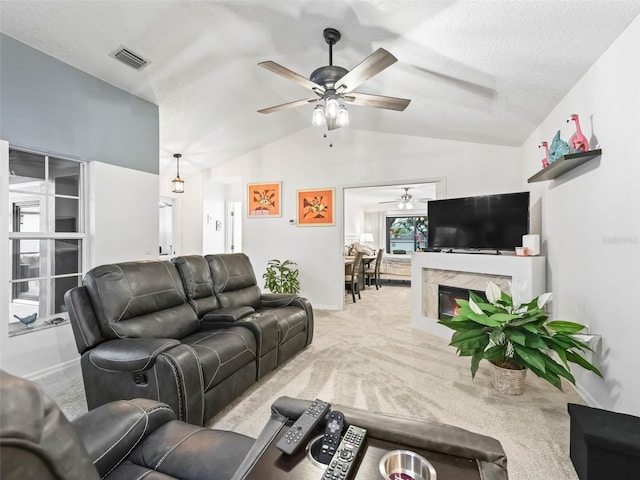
(123, 206)
(214, 200)
(353, 219)
(305, 160)
(189, 216)
(591, 223)
(124, 217)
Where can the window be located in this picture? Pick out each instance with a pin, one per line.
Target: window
(46, 237)
(406, 234)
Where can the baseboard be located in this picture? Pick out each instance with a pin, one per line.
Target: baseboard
(51, 370)
(326, 307)
(588, 399)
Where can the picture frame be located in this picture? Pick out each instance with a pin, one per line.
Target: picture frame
(264, 200)
(316, 208)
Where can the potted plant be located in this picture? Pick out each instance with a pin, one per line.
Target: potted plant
(281, 277)
(516, 337)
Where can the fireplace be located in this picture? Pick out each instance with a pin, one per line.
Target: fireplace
(447, 297)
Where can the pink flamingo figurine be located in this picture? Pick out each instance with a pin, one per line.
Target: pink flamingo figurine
(579, 142)
(545, 160)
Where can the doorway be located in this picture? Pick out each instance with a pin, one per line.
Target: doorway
(166, 227)
(374, 214)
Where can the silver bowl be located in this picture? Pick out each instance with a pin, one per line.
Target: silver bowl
(406, 465)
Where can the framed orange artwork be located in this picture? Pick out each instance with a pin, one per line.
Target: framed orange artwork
(264, 199)
(316, 207)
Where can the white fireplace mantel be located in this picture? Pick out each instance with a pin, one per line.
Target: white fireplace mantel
(468, 270)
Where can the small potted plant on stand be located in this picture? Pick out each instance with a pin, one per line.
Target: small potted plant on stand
(281, 277)
(516, 337)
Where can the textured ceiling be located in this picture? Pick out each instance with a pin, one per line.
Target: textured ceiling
(486, 71)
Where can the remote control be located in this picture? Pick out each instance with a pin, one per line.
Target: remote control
(303, 427)
(331, 437)
(346, 456)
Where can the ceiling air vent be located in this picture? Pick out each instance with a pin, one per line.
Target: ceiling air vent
(128, 57)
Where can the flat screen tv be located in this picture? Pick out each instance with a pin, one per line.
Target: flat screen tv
(488, 222)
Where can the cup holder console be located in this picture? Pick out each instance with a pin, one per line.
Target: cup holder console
(394, 465)
(406, 465)
(313, 452)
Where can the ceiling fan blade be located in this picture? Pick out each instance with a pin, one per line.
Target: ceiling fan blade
(293, 76)
(377, 101)
(370, 66)
(285, 106)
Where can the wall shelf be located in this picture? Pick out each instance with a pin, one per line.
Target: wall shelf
(564, 164)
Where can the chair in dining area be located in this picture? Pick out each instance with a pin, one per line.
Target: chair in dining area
(351, 275)
(374, 272)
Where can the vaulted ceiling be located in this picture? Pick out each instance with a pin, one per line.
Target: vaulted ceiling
(483, 71)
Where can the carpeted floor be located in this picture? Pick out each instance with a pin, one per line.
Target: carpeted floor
(368, 356)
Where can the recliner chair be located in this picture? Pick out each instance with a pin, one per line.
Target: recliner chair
(126, 439)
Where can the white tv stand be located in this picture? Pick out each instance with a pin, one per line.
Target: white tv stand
(467, 270)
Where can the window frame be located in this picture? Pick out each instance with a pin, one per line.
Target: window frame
(47, 198)
(389, 219)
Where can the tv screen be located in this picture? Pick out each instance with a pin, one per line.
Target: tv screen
(495, 222)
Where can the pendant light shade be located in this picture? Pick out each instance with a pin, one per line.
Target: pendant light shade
(318, 117)
(177, 183)
(332, 106)
(343, 116)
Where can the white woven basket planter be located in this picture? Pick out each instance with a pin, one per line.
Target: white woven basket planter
(505, 380)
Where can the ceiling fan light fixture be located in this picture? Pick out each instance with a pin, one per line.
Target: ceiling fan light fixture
(318, 116)
(343, 116)
(177, 183)
(332, 105)
(409, 205)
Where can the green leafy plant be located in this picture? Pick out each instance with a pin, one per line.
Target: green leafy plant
(281, 277)
(516, 336)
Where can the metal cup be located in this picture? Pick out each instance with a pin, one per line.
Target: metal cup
(406, 465)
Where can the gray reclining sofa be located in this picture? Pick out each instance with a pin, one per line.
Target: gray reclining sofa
(141, 334)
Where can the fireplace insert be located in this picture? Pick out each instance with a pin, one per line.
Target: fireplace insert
(447, 297)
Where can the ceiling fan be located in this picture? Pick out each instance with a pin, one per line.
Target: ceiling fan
(333, 84)
(406, 200)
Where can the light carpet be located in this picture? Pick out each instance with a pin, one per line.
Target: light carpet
(368, 356)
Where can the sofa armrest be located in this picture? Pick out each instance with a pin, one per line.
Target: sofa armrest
(275, 300)
(111, 431)
(130, 354)
(227, 314)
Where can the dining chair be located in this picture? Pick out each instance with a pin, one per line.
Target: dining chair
(375, 271)
(351, 276)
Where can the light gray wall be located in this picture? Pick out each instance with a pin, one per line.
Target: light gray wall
(590, 222)
(53, 107)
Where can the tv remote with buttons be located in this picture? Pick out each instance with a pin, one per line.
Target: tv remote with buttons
(303, 427)
(342, 464)
(331, 437)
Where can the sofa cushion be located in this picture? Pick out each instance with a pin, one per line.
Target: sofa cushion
(140, 299)
(222, 352)
(197, 282)
(234, 281)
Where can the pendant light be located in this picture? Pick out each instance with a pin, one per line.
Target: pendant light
(318, 118)
(177, 183)
(343, 116)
